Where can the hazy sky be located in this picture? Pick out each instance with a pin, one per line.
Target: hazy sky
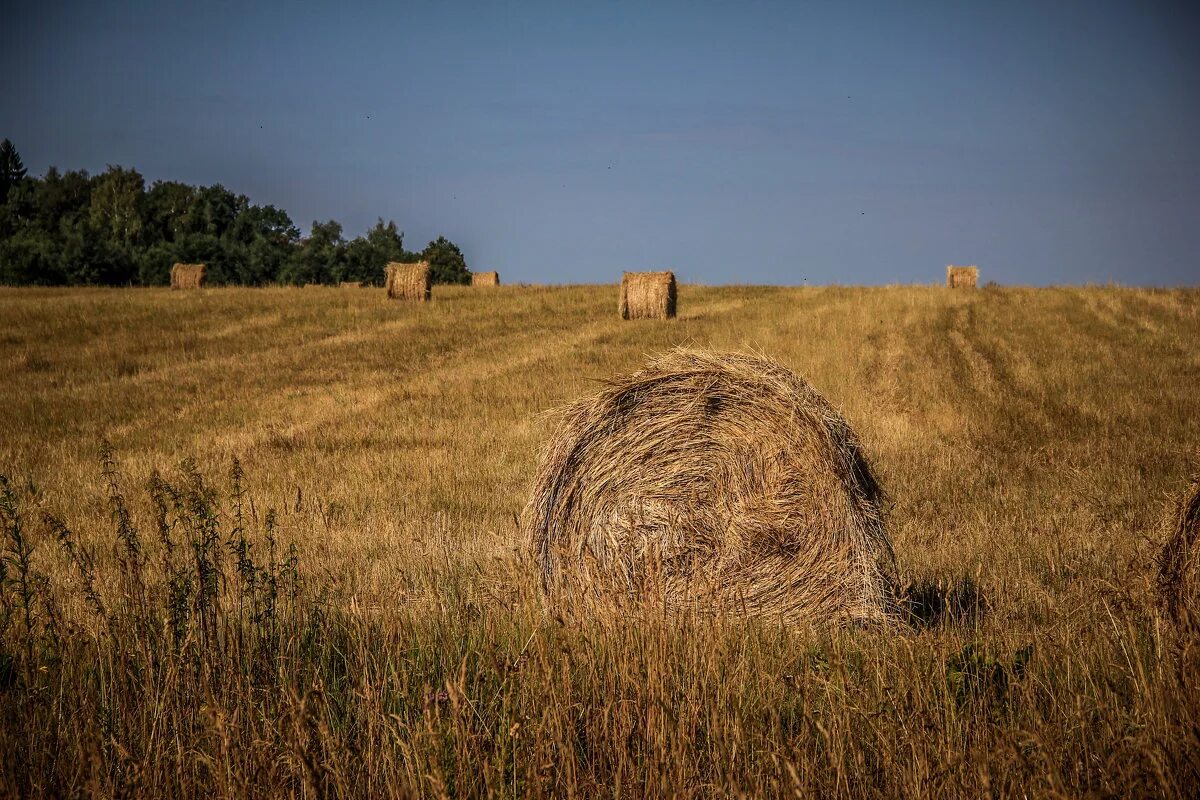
(735, 142)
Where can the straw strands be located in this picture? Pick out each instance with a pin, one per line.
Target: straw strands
(712, 481)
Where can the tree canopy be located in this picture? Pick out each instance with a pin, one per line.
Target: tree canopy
(75, 228)
(446, 262)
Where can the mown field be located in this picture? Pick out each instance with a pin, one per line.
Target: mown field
(356, 615)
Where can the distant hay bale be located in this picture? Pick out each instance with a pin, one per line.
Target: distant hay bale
(712, 481)
(1179, 563)
(647, 295)
(962, 277)
(408, 281)
(187, 276)
(350, 285)
(485, 278)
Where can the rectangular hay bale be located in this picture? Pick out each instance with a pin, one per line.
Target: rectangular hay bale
(187, 276)
(647, 295)
(962, 277)
(485, 278)
(411, 282)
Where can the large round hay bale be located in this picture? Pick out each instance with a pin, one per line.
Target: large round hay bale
(187, 276)
(647, 295)
(712, 481)
(412, 282)
(962, 277)
(1179, 562)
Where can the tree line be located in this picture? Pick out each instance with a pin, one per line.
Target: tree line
(110, 229)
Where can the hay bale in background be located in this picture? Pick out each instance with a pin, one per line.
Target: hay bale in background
(408, 281)
(485, 278)
(350, 285)
(1179, 563)
(647, 295)
(962, 277)
(712, 481)
(187, 276)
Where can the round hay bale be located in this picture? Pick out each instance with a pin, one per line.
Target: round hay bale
(187, 276)
(962, 277)
(1179, 562)
(647, 295)
(411, 282)
(712, 481)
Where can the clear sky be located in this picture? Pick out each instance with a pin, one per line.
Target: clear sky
(735, 142)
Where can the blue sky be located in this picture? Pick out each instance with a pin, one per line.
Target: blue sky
(791, 143)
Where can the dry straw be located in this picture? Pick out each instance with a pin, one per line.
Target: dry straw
(962, 277)
(1179, 563)
(647, 295)
(408, 281)
(712, 481)
(350, 285)
(187, 276)
(485, 278)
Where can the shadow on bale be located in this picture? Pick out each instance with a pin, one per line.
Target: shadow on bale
(712, 482)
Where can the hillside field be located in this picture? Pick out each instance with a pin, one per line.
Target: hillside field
(1032, 443)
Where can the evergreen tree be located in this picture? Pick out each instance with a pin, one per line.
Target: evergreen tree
(12, 170)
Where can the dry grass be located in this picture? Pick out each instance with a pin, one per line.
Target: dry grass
(1179, 572)
(1031, 442)
(485, 278)
(187, 276)
(410, 282)
(962, 277)
(350, 285)
(647, 295)
(713, 480)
